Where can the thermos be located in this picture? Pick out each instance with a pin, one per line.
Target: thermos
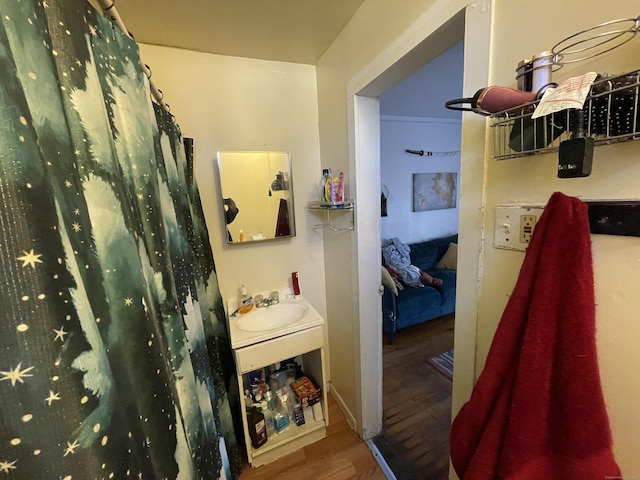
(524, 75)
(541, 70)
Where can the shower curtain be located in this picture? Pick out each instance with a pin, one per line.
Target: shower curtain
(115, 360)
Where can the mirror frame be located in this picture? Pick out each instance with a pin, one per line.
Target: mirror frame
(243, 176)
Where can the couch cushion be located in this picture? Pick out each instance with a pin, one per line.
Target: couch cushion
(448, 288)
(444, 242)
(450, 259)
(388, 281)
(424, 255)
(416, 305)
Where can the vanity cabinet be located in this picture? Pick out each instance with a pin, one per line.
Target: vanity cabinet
(307, 347)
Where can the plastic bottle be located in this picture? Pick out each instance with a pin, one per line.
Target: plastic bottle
(257, 427)
(323, 183)
(333, 187)
(281, 420)
(268, 418)
(284, 411)
(340, 188)
(295, 283)
(245, 305)
(241, 236)
(298, 414)
(270, 398)
(327, 186)
(317, 412)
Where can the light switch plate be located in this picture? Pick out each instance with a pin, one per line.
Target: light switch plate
(514, 226)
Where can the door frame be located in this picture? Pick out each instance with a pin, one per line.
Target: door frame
(434, 35)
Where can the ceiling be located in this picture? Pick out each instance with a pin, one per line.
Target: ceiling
(297, 31)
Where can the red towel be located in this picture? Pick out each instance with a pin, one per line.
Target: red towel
(537, 411)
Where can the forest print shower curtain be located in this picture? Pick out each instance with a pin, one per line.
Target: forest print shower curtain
(114, 356)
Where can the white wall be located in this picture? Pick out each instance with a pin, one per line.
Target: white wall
(397, 168)
(231, 103)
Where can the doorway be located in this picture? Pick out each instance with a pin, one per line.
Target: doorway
(416, 396)
(417, 402)
(474, 25)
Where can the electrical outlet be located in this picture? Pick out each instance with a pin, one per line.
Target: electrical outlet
(514, 226)
(527, 223)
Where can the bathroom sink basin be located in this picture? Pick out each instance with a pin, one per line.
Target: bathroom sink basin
(272, 317)
(291, 315)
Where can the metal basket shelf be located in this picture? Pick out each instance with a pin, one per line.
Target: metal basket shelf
(611, 115)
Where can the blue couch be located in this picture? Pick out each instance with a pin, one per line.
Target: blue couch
(416, 305)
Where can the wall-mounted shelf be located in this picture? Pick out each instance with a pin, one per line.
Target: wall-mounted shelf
(338, 216)
(611, 115)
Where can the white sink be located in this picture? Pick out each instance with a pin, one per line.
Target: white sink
(291, 315)
(269, 318)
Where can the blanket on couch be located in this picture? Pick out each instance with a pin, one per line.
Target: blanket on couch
(396, 256)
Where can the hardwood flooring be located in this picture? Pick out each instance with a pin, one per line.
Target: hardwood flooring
(417, 402)
(341, 455)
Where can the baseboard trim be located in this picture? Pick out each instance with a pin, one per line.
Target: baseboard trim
(380, 459)
(351, 419)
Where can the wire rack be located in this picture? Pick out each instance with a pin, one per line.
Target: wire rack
(610, 115)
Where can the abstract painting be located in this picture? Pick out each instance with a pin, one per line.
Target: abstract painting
(434, 191)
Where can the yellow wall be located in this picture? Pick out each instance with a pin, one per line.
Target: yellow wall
(231, 103)
(522, 29)
(228, 103)
(376, 25)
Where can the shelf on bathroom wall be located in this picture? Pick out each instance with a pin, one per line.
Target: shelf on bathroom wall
(611, 115)
(338, 216)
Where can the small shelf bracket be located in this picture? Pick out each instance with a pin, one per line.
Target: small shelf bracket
(338, 216)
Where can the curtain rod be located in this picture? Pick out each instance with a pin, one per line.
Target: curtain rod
(110, 11)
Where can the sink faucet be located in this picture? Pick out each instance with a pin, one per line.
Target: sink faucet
(260, 301)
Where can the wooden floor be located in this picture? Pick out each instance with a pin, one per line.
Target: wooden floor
(417, 402)
(341, 455)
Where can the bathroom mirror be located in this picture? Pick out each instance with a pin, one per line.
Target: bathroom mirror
(257, 195)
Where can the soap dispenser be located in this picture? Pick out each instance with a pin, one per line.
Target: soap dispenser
(245, 305)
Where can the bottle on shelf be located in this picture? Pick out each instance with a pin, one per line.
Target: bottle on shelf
(268, 418)
(323, 185)
(257, 427)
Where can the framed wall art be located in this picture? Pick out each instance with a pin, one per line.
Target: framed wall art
(434, 191)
